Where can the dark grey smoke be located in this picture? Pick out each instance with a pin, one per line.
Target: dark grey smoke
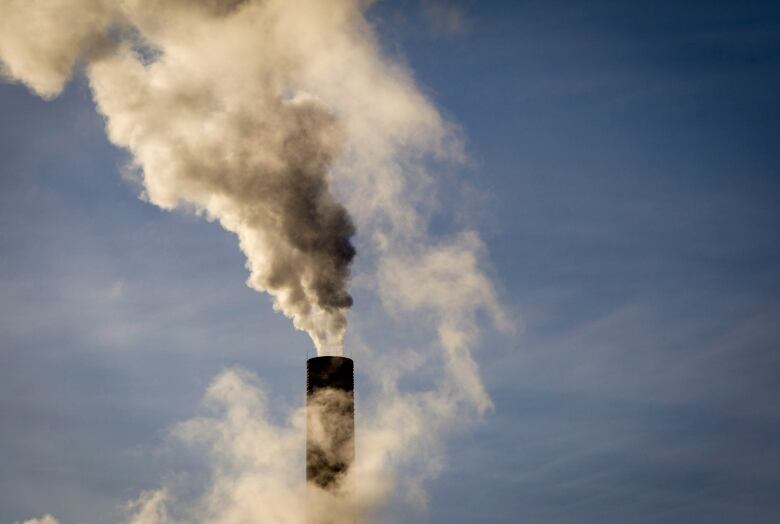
(287, 197)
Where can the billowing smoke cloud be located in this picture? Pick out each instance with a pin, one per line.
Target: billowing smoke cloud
(204, 97)
(257, 114)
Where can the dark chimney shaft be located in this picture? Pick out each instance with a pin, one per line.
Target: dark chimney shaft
(330, 421)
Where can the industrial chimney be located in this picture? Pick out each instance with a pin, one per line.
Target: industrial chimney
(330, 422)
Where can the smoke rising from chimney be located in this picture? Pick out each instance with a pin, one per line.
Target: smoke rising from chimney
(213, 125)
(263, 115)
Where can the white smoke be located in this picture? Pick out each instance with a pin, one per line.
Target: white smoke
(46, 519)
(258, 114)
(205, 97)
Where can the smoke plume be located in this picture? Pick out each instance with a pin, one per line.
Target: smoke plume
(258, 114)
(203, 96)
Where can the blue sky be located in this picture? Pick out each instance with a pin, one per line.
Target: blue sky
(625, 181)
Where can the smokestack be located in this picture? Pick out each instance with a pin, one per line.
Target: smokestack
(330, 421)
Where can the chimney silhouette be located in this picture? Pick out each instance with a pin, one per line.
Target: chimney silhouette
(330, 421)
